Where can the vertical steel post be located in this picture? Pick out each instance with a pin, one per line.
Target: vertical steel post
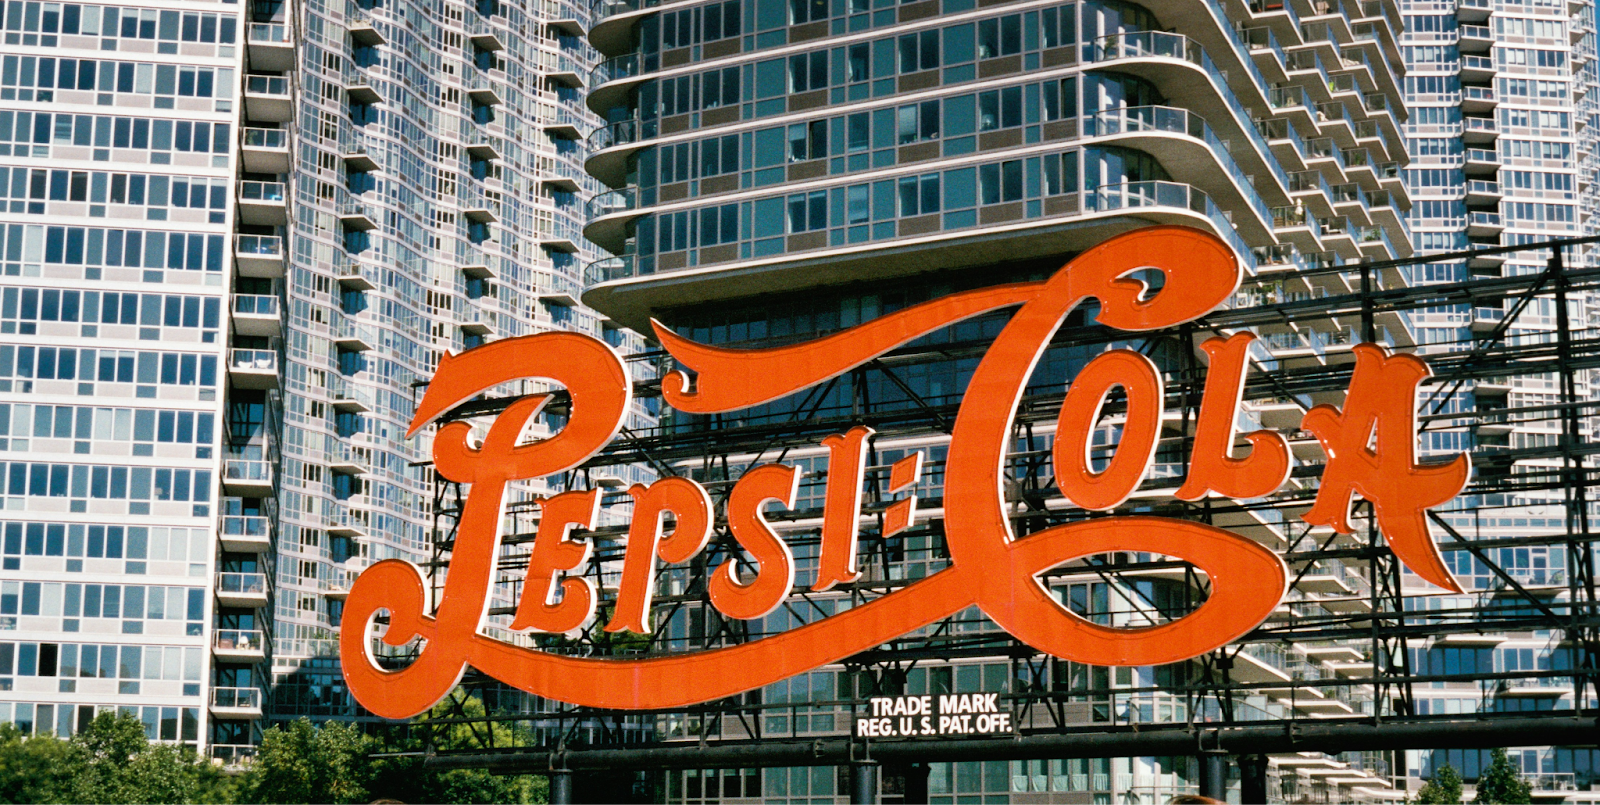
(1252, 778)
(863, 782)
(560, 786)
(1214, 776)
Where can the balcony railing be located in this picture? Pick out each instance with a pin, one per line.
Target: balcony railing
(1177, 121)
(259, 245)
(266, 138)
(261, 191)
(257, 360)
(242, 583)
(266, 85)
(255, 305)
(238, 640)
(273, 32)
(241, 698)
(246, 525)
(244, 469)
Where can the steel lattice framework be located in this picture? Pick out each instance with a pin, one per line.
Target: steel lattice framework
(1375, 617)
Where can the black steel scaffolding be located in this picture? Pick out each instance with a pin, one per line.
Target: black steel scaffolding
(1531, 453)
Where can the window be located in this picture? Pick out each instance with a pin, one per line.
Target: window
(858, 61)
(808, 211)
(802, 11)
(919, 195)
(918, 121)
(719, 88)
(808, 141)
(919, 51)
(1000, 37)
(808, 71)
(1000, 109)
(858, 206)
(719, 225)
(719, 155)
(1001, 182)
(858, 132)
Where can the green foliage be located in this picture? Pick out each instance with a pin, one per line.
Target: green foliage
(112, 761)
(1443, 789)
(309, 764)
(109, 761)
(1502, 783)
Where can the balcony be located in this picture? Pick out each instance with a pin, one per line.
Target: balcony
(265, 150)
(238, 645)
(562, 291)
(267, 99)
(476, 321)
(1483, 191)
(483, 93)
(476, 208)
(485, 37)
(1476, 38)
(233, 757)
(1477, 69)
(363, 29)
(253, 368)
(1479, 130)
(245, 533)
(353, 336)
(247, 478)
(625, 288)
(483, 148)
(356, 157)
(1478, 100)
(357, 217)
(242, 589)
(271, 46)
(337, 588)
(354, 276)
(1482, 160)
(350, 523)
(1487, 319)
(258, 256)
(358, 87)
(347, 460)
(478, 271)
(263, 204)
(1484, 224)
(256, 314)
(1536, 687)
(1473, 11)
(236, 703)
(351, 398)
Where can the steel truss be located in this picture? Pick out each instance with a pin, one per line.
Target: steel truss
(1060, 718)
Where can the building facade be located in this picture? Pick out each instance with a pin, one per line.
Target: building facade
(1502, 154)
(243, 234)
(783, 170)
(119, 129)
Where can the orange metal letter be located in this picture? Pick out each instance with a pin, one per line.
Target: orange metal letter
(1381, 410)
(841, 508)
(775, 574)
(686, 501)
(1141, 430)
(902, 476)
(1212, 467)
(552, 553)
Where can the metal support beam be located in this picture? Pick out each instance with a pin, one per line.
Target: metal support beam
(1330, 737)
(863, 782)
(1214, 776)
(560, 786)
(1252, 778)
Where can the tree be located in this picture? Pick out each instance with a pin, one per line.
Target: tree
(1443, 789)
(110, 760)
(408, 780)
(310, 764)
(35, 769)
(117, 763)
(1501, 782)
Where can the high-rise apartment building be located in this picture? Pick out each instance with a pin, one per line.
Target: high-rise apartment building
(783, 170)
(240, 235)
(119, 125)
(1500, 96)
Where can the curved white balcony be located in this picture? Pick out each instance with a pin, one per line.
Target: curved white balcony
(1068, 222)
